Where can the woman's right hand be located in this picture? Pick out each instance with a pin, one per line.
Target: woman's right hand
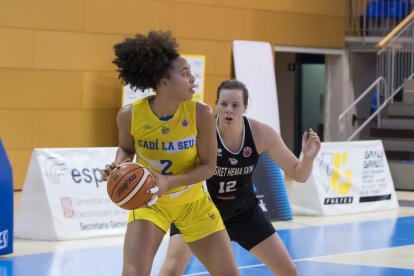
(161, 186)
(110, 167)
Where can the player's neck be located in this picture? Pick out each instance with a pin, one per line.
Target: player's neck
(232, 135)
(163, 107)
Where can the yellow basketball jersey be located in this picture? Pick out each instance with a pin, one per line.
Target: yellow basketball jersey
(168, 147)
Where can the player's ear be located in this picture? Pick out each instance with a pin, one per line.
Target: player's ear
(164, 82)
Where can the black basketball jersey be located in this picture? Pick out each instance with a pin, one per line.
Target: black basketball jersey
(233, 174)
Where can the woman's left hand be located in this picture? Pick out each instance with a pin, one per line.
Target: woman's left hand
(311, 144)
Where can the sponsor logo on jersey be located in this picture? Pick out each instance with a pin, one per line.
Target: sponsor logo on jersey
(247, 151)
(219, 152)
(233, 161)
(165, 130)
(184, 123)
(169, 146)
(233, 171)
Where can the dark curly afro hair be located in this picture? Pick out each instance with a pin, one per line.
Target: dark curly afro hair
(143, 60)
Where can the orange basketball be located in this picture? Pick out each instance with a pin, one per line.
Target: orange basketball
(127, 185)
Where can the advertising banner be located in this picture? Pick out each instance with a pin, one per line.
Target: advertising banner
(64, 197)
(6, 203)
(347, 177)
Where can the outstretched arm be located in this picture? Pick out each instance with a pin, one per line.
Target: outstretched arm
(268, 140)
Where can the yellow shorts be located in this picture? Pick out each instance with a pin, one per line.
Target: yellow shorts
(195, 220)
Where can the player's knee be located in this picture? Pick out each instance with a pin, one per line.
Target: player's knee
(130, 271)
(169, 272)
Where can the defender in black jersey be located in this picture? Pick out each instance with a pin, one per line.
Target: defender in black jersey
(240, 142)
(231, 189)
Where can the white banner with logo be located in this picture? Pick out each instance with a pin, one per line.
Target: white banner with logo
(64, 198)
(347, 177)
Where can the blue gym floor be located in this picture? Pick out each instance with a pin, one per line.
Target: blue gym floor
(307, 243)
(381, 244)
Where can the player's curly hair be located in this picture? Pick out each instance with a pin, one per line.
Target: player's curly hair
(143, 60)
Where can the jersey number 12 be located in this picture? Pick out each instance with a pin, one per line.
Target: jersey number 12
(227, 187)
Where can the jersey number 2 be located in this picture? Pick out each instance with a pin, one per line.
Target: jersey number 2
(167, 164)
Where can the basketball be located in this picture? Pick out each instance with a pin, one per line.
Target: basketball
(127, 185)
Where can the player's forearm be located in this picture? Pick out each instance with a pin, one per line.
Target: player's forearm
(303, 169)
(122, 155)
(198, 174)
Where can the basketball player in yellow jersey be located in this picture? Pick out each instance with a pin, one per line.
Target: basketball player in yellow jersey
(168, 146)
(175, 137)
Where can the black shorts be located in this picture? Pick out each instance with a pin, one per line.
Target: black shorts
(248, 228)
